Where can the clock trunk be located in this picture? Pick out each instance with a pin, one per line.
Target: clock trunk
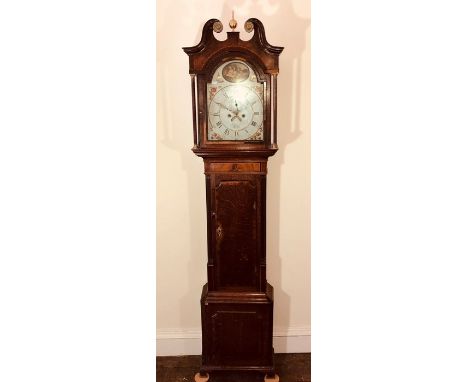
(237, 302)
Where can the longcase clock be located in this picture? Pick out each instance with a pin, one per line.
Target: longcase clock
(234, 86)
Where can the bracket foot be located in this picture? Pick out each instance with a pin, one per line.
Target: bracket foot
(200, 378)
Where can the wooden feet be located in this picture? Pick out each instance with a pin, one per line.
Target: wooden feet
(204, 378)
(201, 377)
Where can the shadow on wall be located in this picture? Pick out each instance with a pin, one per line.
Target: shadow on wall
(283, 28)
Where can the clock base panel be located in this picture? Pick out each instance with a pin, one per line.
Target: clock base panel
(237, 331)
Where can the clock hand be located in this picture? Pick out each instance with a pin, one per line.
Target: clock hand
(236, 113)
(220, 104)
(224, 107)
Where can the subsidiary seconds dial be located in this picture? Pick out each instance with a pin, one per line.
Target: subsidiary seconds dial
(235, 113)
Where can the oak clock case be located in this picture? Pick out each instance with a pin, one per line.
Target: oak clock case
(233, 86)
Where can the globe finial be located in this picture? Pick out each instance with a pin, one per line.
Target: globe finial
(233, 22)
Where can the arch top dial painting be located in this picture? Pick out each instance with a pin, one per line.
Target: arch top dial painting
(235, 103)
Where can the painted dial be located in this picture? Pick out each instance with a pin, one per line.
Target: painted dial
(235, 104)
(236, 113)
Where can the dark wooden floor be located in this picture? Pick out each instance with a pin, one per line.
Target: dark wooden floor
(289, 367)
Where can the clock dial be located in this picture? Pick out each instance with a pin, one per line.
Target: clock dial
(235, 106)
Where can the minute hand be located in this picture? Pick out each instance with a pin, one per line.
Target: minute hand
(224, 107)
